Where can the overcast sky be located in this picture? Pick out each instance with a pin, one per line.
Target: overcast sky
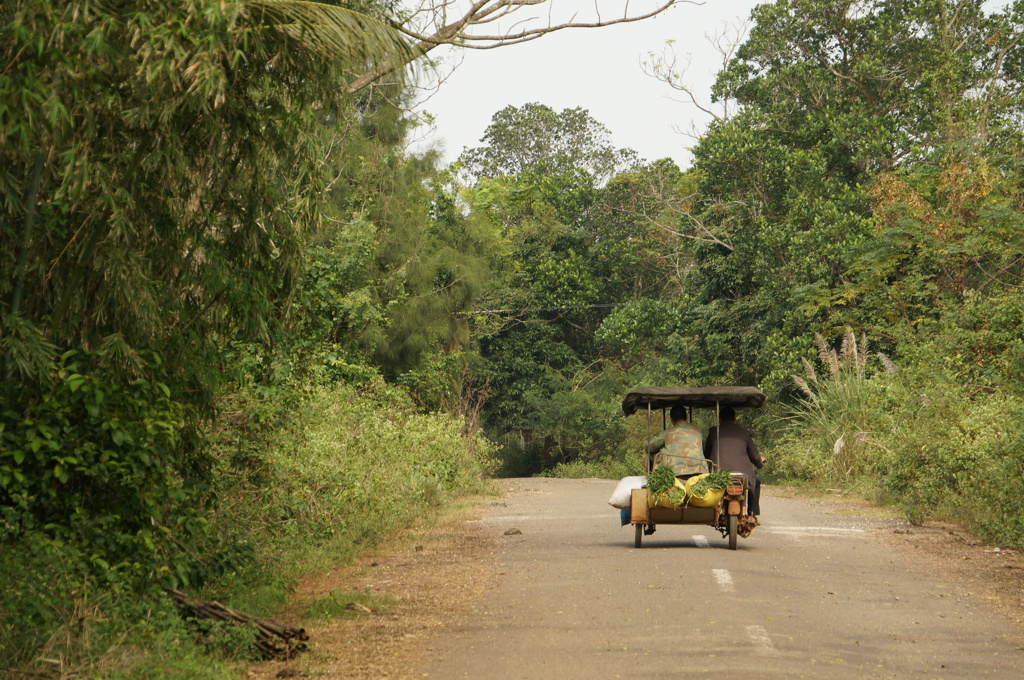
(596, 69)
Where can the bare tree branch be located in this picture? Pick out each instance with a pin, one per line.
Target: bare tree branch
(673, 208)
(699, 231)
(459, 22)
(670, 68)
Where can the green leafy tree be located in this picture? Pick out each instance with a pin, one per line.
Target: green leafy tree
(831, 97)
(943, 268)
(574, 214)
(428, 261)
(160, 169)
(536, 137)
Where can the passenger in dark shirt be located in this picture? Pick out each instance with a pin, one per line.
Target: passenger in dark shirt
(736, 453)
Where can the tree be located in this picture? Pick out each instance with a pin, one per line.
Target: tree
(133, 215)
(670, 68)
(831, 97)
(535, 137)
(161, 166)
(881, 83)
(571, 210)
(944, 266)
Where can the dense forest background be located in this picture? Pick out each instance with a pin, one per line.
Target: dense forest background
(235, 308)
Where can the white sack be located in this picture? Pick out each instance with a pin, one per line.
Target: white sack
(622, 496)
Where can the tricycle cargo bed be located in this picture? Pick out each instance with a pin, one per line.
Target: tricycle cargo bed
(640, 513)
(683, 515)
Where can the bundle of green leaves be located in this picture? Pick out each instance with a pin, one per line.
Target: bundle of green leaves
(716, 481)
(661, 479)
(677, 496)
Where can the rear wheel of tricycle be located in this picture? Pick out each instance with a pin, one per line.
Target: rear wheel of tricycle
(638, 536)
(733, 527)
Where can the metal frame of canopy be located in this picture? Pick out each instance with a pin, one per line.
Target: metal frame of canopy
(663, 398)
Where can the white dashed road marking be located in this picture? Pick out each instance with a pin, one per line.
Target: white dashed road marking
(535, 518)
(724, 579)
(701, 541)
(759, 636)
(812, 531)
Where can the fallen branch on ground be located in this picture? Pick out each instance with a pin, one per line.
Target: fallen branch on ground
(274, 640)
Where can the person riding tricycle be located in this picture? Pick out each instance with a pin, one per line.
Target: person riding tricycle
(690, 482)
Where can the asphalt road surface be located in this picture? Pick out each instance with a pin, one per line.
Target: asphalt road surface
(809, 595)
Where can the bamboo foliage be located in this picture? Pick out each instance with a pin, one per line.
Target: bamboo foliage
(161, 164)
(161, 167)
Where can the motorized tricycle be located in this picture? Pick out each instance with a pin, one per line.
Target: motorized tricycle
(727, 514)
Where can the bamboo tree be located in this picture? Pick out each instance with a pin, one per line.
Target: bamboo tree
(161, 168)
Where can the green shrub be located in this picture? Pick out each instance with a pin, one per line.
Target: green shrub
(963, 458)
(56, 620)
(564, 419)
(602, 468)
(353, 467)
(918, 440)
(98, 468)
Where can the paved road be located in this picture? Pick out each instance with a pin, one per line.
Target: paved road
(808, 595)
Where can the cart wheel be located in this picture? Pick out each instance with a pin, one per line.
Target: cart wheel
(638, 535)
(733, 525)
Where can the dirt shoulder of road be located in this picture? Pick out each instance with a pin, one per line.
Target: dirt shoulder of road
(992, 574)
(441, 571)
(434, 574)
(989, 572)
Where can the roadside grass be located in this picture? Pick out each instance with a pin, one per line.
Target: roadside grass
(928, 448)
(341, 603)
(806, 489)
(123, 638)
(866, 510)
(853, 502)
(354, 469)
(603, 468)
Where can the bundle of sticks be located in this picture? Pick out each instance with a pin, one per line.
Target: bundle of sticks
(274, 640)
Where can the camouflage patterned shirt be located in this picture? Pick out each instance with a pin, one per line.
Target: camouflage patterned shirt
(679, 447)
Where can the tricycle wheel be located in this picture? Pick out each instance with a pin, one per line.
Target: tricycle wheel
(638, 536)
(733, 525)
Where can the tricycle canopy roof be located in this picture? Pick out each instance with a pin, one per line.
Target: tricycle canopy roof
(696, 397)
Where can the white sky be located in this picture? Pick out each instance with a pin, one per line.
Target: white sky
(596, 69)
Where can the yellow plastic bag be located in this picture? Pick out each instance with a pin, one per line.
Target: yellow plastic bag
(661, 500)
(709, 500)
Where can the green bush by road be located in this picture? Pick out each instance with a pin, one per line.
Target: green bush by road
(352, 468)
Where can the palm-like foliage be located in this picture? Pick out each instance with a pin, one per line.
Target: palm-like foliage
(334, 32)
